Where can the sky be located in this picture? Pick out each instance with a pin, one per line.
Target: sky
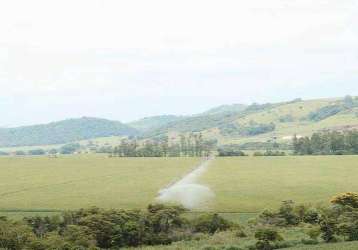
(127, 59)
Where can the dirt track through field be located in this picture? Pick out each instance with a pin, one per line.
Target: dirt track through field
(187, 191)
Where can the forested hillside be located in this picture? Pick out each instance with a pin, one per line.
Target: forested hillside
(63, 132)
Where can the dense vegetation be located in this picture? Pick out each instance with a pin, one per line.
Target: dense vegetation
(191, 145)
(97, 228)
(63, 132)
(331, 110)
(253, 128)
(230, 150)
(327, 143)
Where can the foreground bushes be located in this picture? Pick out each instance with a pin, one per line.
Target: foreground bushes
(107, 229)
(96, 228)
(334, 223)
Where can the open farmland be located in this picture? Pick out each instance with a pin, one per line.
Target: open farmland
(251, 184)
(240, 184)
(41, 183)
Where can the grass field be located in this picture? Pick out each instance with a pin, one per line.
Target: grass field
(241, 184)
(250, 184)
(36, 183)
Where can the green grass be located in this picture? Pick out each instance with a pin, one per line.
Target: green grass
(251, 184)
(335, 246)
(32, 183)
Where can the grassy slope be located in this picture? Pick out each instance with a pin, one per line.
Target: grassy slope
(298, 111)
(251, 184)
(209, 122)
(83, 181)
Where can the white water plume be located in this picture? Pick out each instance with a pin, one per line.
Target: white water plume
(187, 192)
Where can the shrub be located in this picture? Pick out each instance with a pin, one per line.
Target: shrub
(329, 229)
(311, 216)
(19, 152)
(274, 153)
(309, 241)
(325, 112)
(15, 236)
(346, 199)
(36, 152)
(313, 233)
(211, 223)
(232, 248)
(266, 237)
(286, 212)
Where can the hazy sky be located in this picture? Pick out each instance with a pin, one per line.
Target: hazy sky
(125, 59)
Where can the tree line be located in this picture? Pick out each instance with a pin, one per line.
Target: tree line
(188, 145)
(327, 143)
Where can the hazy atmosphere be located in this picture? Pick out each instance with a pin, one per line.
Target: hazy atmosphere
(125, 60)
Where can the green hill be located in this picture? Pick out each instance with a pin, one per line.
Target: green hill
(63, 132)
(267, 122)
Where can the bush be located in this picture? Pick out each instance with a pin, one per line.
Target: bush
(211, 223)
(287, 212)
(36, 152)
(19, 152)
(313, 233)
(325, 112)
(309, 241)
(329, 229)
(230, 152)
(274, 153)
(311, 216)
(346, 199)
(232, 248)
(69, 148)
(266, 237)
(15, 236)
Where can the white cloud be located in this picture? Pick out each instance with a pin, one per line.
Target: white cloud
(223, 50)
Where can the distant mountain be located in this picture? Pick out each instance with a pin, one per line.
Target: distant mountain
(63, 132)
(154, 122)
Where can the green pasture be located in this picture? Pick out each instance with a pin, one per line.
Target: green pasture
(244, 185)
(35, 184)
(251, 184)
